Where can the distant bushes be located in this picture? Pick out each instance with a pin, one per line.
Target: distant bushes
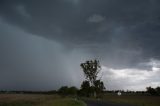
(153, 91)
(65, 90)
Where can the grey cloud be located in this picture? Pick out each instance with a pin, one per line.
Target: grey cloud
(96, 18)
(58, 23)
(22, 11)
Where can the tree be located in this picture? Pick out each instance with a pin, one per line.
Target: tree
(85, 85)
(85, 88)
(91, 70)
(99, 86)
(158, 90)
(63, 90)
(151, 91)
(72, 91)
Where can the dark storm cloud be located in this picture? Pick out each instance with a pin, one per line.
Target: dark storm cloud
(128, 23)
(121, 33)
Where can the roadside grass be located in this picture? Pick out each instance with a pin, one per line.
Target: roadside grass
(37, 100)
(136, 100)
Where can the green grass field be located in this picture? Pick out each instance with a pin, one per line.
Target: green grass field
(136, 100)
(37, 100)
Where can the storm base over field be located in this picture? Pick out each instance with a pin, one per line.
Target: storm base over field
(43, 43)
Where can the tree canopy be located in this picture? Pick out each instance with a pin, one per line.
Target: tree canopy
(91, 85)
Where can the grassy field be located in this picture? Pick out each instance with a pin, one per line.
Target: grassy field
(56, 100)
(37, 100)
(136, 100)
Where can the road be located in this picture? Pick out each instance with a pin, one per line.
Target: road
(101, 103)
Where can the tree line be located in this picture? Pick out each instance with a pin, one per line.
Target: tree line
(153, 91)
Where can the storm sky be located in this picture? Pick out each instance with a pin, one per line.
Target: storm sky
(43, 42)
